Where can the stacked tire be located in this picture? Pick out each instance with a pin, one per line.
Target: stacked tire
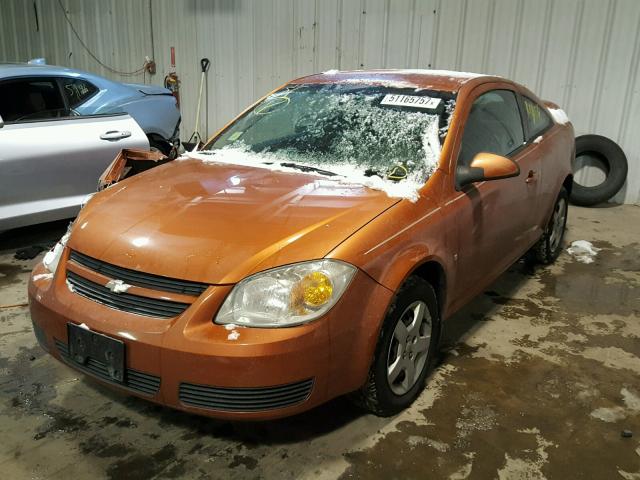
(612, 156)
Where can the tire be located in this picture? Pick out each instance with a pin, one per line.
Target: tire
(613, 157)
(380, 395)
(550, 244)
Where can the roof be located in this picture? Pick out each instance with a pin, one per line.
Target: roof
(8, 70)
(428, 79)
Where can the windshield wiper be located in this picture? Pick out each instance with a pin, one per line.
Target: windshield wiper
(303, 168)
(307, 168)
(370, 172)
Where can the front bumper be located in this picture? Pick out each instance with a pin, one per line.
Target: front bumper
(190, 363)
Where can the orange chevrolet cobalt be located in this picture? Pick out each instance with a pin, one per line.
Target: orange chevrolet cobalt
(313, 248)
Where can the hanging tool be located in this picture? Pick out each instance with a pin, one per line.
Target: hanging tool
(195, 140)
(171, 81)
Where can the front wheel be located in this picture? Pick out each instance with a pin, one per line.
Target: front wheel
(405, 351)
(550, 244)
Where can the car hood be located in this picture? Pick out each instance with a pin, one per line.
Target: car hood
(217, 223)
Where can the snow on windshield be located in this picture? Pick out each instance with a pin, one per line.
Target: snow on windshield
(342, 132)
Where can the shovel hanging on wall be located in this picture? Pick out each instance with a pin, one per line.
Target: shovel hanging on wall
(195, 140)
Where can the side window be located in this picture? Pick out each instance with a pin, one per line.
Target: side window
(494, 125)
(537, 119)
(77, 91)
(30, 99)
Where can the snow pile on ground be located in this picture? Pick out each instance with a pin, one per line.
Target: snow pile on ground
(559, 115)
(583, 251)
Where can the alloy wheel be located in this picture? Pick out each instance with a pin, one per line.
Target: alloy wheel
(409, 347)
(557, 223)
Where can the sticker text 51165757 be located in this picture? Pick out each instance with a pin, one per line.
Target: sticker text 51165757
(411, 101)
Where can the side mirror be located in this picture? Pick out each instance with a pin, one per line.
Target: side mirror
(1, 122)
(486, 166)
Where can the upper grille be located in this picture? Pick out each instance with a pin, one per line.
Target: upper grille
(139, 381)
(127, 302)
(245, 399)
(140, 279)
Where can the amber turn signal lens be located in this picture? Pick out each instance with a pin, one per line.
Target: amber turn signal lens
(316, 289)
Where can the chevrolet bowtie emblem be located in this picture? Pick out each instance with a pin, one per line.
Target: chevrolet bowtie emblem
(117, 286)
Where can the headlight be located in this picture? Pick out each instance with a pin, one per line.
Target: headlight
(287, 296)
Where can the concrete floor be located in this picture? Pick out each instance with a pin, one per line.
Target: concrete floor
(538, 378)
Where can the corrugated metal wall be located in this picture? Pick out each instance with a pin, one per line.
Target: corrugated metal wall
(581, 54)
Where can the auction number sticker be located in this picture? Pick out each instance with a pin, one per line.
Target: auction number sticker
(411, 101)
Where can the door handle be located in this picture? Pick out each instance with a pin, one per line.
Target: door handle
(115, 135)
(532, 176)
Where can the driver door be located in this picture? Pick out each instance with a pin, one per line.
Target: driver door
(494, 217)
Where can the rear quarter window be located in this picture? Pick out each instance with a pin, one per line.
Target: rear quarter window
(77, 91)
(537, 118)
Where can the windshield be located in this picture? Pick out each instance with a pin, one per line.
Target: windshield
(393, 133)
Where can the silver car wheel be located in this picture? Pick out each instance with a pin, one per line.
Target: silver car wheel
(557, 223)
(409, 347)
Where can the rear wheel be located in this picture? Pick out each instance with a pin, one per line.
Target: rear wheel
(405, 351)
(550, 244)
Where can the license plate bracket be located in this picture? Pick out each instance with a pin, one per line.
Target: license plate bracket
(85, 344)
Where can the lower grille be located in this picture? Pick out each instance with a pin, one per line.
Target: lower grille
(140, 382)
(245, 399)
(151, 307)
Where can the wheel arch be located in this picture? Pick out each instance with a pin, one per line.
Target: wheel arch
(568, 183)
(433, 272)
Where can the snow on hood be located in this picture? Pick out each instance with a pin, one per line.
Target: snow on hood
(343, 173)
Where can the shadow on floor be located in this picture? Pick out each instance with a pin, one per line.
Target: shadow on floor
(43, 234)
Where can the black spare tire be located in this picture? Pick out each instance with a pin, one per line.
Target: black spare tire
(612, 157)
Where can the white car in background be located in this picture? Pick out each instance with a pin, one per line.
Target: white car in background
(48, 166)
